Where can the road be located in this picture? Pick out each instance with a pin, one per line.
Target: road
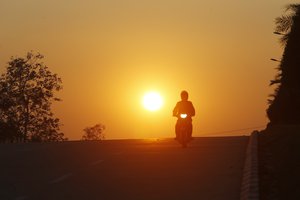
(210, 169)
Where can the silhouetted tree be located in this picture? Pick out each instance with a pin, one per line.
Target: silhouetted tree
(94, 132)
(284, 108)
(8, 132)
(26, 94)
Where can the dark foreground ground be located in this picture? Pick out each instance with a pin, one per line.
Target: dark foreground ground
(210, 169)
(279, 163)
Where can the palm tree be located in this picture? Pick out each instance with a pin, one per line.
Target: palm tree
(285, 22)
(284, 108)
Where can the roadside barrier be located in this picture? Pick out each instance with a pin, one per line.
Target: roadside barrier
(250, 187)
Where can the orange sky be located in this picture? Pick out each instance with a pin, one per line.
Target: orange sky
(110, 52)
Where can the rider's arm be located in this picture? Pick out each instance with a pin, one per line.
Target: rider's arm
(175, 110)
(192, 110)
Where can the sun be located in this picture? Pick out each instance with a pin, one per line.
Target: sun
(152, 101)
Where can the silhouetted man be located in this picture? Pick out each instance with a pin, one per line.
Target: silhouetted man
(184, 107)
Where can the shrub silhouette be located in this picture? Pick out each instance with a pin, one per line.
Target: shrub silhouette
(94, 132)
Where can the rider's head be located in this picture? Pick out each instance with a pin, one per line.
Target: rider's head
(184, 95)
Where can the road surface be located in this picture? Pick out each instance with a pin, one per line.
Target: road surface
(209, 169)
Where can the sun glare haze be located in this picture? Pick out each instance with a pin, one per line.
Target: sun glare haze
(109, 53)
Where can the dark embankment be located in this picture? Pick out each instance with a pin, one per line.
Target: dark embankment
(279, 162)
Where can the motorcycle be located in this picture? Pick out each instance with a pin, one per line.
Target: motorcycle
(183, 134)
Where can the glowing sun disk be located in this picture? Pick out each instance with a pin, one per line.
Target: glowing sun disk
(152, 101)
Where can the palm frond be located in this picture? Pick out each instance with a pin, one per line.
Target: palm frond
(283, 23)
(292, 7)
(276, 81)
(283, 40)
(270, 101)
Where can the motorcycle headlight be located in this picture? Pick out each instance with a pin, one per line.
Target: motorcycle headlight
(183, 116)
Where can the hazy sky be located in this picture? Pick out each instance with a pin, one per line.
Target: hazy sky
(110, 52)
